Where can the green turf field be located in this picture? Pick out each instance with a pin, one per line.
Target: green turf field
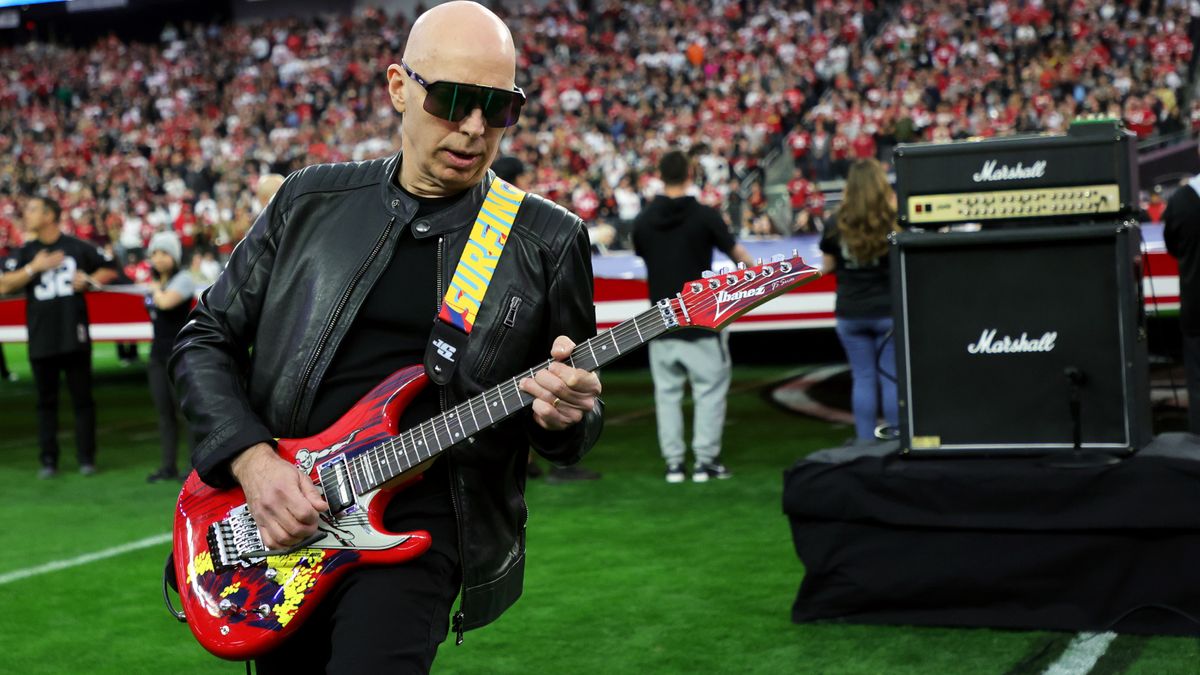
(625, 575)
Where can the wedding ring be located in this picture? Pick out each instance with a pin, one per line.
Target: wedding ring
(555, 404)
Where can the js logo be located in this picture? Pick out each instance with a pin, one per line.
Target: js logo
(444, 350)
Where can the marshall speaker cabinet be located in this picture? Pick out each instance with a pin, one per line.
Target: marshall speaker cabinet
(1017, 341)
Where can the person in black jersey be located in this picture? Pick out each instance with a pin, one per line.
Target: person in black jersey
(335, 287)
(676, 236)
(168, 303)
(56, 270)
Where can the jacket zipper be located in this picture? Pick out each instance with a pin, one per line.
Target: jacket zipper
(510, 320)
(459, 617)
(337, 311)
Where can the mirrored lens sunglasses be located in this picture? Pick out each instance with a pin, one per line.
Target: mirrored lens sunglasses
(454, 101)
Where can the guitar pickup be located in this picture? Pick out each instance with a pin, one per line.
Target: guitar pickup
(335, 482)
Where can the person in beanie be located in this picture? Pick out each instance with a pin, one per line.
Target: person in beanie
(675, 235)
(168, 302)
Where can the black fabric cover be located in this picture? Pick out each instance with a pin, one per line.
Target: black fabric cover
(1000, 542)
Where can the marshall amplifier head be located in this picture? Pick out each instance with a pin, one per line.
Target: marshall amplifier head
(997, 331)
(1087, 174)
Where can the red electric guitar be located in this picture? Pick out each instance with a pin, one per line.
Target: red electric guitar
(241, 601)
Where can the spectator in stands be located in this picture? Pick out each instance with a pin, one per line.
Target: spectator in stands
(168, 302)
(55, 270)
(676, 235)
(1181, 233)
(629, 204)
(1155, 206)
(855, 248)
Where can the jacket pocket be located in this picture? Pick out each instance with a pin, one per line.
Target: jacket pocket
(512, 311)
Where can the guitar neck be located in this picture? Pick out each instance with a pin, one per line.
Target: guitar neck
(389, 459)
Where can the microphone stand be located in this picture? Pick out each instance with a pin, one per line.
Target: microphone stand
(1079, 459)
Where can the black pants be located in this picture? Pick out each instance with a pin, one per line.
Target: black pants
(46, 375)
(378, 620)
(1191, 363)
(168, 413)
(4, 372)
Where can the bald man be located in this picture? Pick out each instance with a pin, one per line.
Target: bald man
(267, 186)
(355, 271)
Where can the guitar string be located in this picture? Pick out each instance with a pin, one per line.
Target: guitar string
(617, 334)
(379, 453)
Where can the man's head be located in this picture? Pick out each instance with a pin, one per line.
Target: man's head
(267, 186)
(675, 168)
(461, 42)
(513, 170)
(41, 216)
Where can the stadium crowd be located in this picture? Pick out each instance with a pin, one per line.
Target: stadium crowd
(953, 69)
(136, 138)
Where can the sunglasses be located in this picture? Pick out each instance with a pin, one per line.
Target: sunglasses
(455, 101)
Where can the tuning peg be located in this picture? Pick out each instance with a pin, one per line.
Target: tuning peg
(731, 279)
(758, 262)
(741, 266)
(768, 270)
(749, 275)
(707, 273)
(778, 257)
(795, 253)
(696, 287)
(785, 267)
(714, 283)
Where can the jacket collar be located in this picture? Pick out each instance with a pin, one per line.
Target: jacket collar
(399, 204)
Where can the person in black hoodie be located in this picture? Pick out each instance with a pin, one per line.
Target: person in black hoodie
(1181, 233)
(675, 235)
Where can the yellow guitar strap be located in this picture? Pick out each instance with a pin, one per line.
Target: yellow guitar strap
(472, 277)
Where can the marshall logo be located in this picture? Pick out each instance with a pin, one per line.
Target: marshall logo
(988, 344)
(725, 296)
(991, 172)
(444, 349)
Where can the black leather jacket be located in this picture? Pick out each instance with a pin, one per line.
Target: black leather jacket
(250, 360)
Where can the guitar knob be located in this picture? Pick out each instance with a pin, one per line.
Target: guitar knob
(777, 257)
(263, 610)
(714, 283)
(226, 606)
(741, 266)
(696, 287)
(795, 253)
(707, 273)
(758, 262)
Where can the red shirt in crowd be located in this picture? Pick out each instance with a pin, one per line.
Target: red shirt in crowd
(798, 189)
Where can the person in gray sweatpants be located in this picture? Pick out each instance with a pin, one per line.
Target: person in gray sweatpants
(675, 235)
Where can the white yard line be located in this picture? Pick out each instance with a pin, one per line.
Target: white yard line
(56, 565)
(1081, 654)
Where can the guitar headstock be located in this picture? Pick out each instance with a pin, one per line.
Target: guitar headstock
(715, 301)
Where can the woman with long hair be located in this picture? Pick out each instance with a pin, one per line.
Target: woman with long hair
(168, 302)
(855, 248)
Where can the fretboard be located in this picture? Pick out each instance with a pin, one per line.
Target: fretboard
(389, 459)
